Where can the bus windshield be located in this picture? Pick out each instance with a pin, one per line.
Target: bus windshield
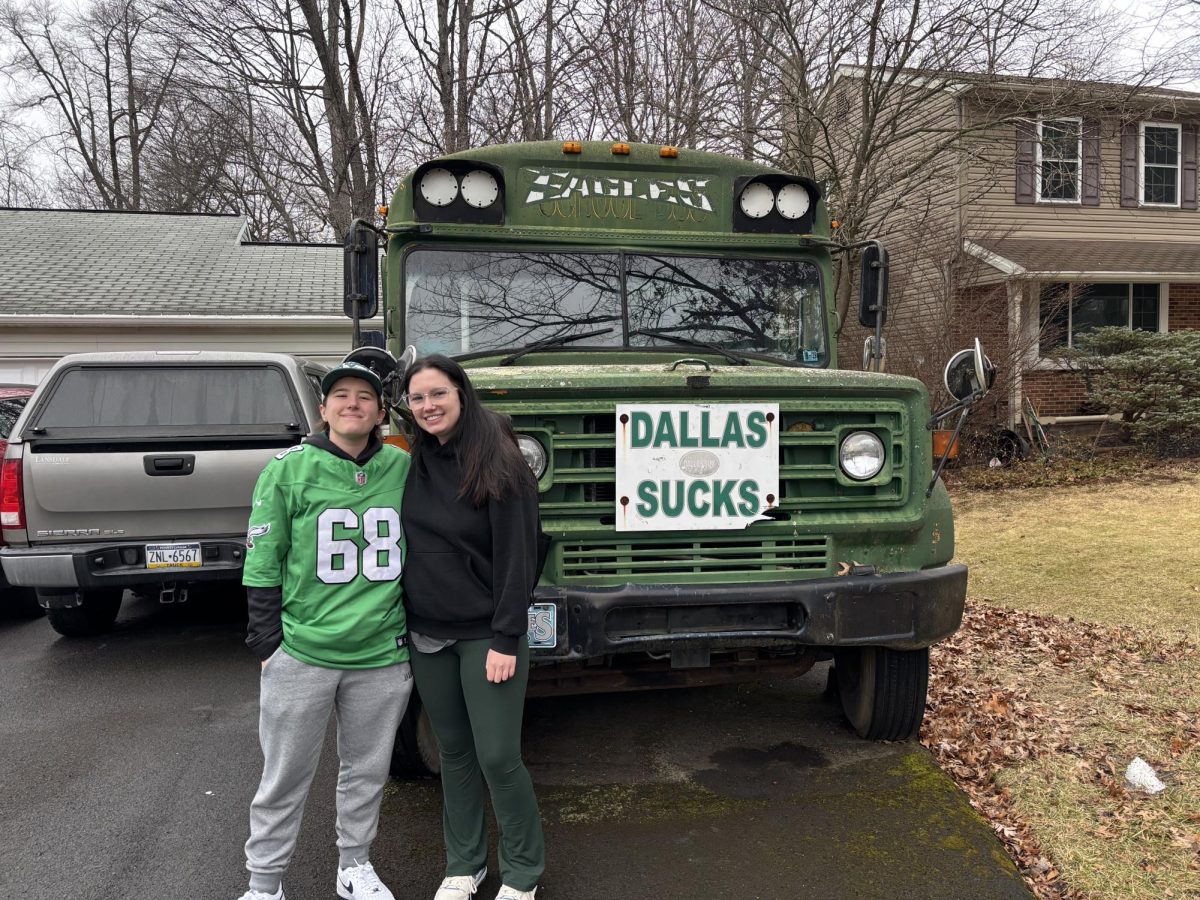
(473, 301)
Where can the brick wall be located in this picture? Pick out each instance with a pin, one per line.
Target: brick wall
(1056, 393)
(1183, 310)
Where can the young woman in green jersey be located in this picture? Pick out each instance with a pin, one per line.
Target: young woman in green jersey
(323, 561)
(470, 516)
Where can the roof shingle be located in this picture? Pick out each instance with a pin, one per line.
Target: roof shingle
(72, 262)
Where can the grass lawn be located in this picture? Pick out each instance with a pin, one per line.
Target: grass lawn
(1078, 654)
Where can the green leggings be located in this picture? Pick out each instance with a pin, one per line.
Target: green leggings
(478, 725)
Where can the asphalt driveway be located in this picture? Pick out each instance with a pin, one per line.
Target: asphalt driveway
(127, 764)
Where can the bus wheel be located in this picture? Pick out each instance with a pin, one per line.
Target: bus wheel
(416, 753)
(883, 691)
(95, 614)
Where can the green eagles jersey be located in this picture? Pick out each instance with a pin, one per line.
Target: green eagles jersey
(328, 531)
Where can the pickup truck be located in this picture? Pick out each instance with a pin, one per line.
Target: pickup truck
(135, 471)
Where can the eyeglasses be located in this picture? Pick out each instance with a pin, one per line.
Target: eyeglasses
(437, 395)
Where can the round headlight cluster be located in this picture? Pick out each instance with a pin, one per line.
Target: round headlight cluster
(791, 201)
(440, 187)
(861, 455)
(534, 453)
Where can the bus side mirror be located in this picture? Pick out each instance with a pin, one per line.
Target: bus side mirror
(969, 373)
(873, 286)
(360, 272)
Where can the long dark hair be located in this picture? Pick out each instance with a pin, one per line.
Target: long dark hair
(492, 465)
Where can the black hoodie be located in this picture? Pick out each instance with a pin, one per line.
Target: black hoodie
(470, 570)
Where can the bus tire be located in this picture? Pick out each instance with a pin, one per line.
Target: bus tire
(95, 614)
(416, 753)
(883, 691)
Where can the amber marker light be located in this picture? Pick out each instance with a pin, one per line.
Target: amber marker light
(668, 152)
(572, 147)
(382, 210)
(835, 224)
(620, 149)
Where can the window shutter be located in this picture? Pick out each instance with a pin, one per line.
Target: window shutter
(1026, 136)
(1187, 197)
(1129, 161)
(1090, 195)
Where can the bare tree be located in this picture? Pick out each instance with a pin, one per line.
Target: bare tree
(318, 66)
(102, 80)
(858, 79)
(20, 184)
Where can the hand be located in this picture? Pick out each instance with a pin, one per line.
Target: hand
(500, 666)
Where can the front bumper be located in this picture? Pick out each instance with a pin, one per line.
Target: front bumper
(903, 611)
(92, 566)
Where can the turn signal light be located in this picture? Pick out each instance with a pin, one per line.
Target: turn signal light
(620, 149)
(835, 224)
(382, 210)
(668, 152)
(572, 147)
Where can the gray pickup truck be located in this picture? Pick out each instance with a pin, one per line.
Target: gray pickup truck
(135, 471)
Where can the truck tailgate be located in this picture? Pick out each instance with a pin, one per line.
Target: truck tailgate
(140, 493)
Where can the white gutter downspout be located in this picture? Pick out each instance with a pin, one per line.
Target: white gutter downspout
(1016, 384)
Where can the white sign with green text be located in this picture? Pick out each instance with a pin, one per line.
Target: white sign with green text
(695, 466)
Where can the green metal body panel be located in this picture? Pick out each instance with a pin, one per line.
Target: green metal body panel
(566, 397)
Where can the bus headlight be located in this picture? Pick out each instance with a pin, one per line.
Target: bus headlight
(439, 187)
(534, 453)
(479, 188)
(756, 200)
(861, 455)
(792, 201)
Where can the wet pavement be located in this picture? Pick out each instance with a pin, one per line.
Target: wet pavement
(127, 764)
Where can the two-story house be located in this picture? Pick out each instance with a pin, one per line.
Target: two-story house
(1051, 208)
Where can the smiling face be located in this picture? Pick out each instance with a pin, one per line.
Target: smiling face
(352, 410)
(440, 408)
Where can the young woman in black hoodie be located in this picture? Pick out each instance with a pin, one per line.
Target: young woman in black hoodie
(470, 516)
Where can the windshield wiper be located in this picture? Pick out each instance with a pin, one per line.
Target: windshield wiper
(552, 342)
(688, 342)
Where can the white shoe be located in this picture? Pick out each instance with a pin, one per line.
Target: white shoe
(358, 881)
(458, 887)
(511, 893)
(263, 895)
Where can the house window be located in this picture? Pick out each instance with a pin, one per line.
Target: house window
(1159, 145)
(1068, 310)
(1059, 162)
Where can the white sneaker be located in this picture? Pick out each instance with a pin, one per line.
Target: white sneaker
(263, 895)
(458, 887)
(511, 893)
(361, 881)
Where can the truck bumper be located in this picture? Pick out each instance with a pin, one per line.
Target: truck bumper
(97, 566)
(903, 611)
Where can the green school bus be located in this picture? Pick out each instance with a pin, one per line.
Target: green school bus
(724, 502)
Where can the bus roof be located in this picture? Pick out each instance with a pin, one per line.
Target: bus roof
(599, 192)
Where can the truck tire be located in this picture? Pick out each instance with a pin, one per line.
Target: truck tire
(883, 691)
(95, 614)
(416, 753)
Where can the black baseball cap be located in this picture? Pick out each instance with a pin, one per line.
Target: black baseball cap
(351, 370)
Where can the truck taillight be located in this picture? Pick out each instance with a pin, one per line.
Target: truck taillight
(12, 513)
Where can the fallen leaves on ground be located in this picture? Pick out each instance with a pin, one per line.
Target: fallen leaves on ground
(1012, 687)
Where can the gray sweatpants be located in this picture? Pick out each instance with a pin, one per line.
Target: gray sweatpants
(294, 705)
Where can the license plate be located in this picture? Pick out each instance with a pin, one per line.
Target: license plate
(173, 556)
(543, 626)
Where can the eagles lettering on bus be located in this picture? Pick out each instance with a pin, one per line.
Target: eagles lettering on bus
(556, 184)
(702, 497)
